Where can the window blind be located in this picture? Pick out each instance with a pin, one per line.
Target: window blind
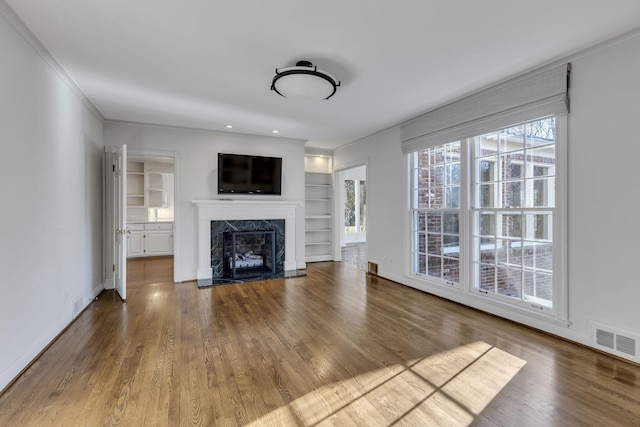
(537, 94)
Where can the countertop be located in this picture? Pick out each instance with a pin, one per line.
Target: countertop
(150, 221)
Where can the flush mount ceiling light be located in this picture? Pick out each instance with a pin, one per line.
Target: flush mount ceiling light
(304, 81)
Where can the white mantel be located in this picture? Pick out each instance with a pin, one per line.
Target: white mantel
(228, 210)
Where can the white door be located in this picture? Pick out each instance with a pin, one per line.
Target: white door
(121, 232)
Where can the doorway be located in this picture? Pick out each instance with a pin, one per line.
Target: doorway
(352, 187)
(150, 208)
(149, 195)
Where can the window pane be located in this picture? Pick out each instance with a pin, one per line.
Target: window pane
(451, 223)
(486, 198)
(422, 243)
(538, 226)
(451, 269)
(541, 132)
(434, 244)
(488, 144)
(451, 246)
(349, 204)
(434, 266)
(538, 255)
(436, 155)
(538, 286)
(541, 170)
(516, 171)
(512, 225)
(543, 194)
(487, 250)
(487, 224)
(420, 221)
(421, 159)
(544, 257)
(452, 152)
(423, 201)
(509, 252)
(512, 139)
(421, 264)
(452, 197)
(540, 158)
(363, 206)
(512, 194)
(487, 277)
(434, 222)
(512, 165)
(487, 169)
(513, 285)
(436, 187)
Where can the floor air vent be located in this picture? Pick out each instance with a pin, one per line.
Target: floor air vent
(615, 341)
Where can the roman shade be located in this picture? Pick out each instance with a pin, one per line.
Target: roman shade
(537, 94)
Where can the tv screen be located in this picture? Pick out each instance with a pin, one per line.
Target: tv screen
(243, 174)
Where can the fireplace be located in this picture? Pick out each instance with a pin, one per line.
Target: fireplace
(251, 233)
(216, 217)
(249, 254)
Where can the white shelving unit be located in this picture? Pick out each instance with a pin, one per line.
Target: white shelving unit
(135, 184)
(319, 218)
(145, 188)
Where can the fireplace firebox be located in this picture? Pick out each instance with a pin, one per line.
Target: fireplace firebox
(249, 254)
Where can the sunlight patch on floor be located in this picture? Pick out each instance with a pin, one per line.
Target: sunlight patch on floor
(449, 389)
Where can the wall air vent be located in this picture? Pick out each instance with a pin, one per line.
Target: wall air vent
(616, 341)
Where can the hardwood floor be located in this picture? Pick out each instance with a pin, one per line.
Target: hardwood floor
(334, 348)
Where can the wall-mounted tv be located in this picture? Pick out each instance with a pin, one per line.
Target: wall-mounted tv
(243, 174)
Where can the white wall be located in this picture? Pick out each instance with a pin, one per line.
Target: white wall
(51, 202)
(197, 174)
(603, 198)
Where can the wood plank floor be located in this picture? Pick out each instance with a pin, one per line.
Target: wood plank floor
(334, 348)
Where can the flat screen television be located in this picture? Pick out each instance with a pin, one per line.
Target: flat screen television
(244, 174)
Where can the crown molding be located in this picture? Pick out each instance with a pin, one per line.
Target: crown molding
(28, 35)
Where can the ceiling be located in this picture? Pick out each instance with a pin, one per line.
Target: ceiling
(209, 63)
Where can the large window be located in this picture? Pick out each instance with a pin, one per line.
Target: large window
(436, 213)
(502, 186)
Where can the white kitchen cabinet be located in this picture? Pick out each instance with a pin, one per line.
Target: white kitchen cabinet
(150, 239)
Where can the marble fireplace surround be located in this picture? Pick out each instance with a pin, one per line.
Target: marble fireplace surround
(227, 210)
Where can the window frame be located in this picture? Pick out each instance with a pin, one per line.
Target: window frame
(468, 222)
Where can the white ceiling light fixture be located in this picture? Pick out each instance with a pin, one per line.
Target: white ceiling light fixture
(304, 80)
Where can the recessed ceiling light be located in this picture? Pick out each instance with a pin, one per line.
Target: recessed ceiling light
(229, 127)
(275, 131)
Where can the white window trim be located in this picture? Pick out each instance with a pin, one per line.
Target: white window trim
(559, 312)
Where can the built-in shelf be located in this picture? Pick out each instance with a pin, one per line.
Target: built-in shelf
(145, 188)
(319, 218)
